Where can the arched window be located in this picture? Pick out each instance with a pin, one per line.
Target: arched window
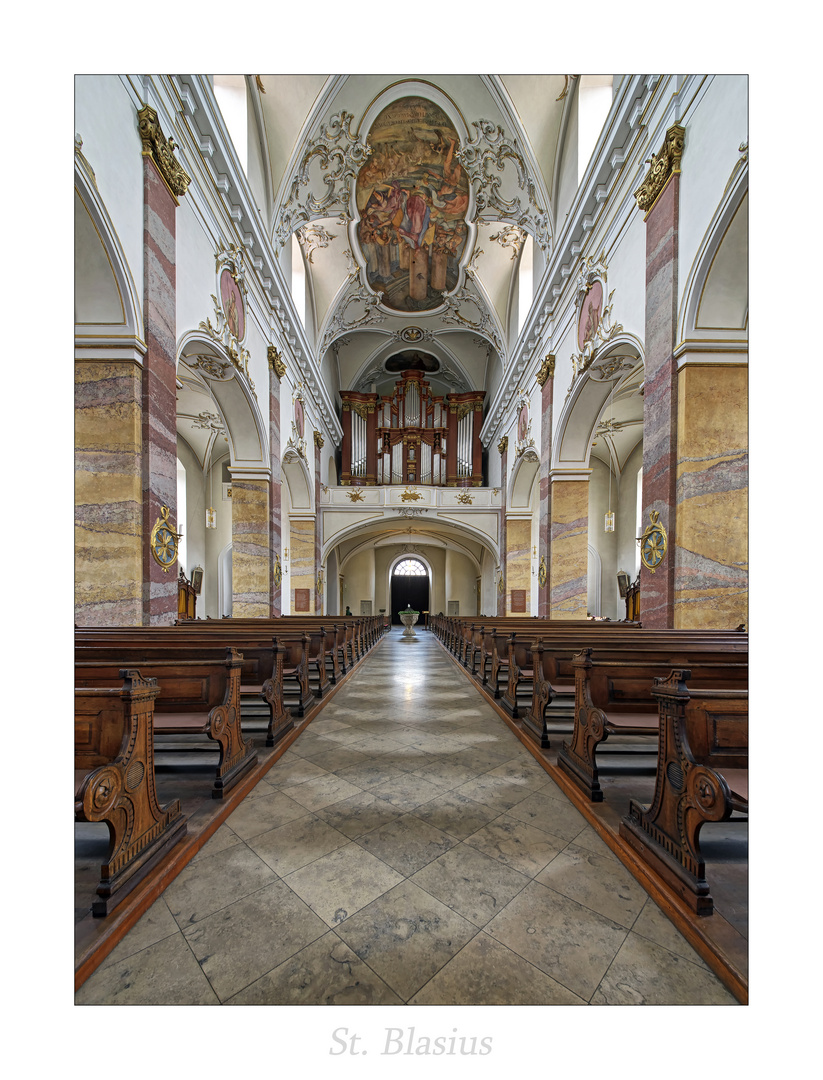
(410, 566)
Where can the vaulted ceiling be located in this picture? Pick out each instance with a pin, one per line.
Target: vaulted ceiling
(347, 156)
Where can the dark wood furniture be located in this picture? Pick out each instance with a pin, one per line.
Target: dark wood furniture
(114, 782)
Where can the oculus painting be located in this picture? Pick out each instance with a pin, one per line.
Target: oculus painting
(412, 198)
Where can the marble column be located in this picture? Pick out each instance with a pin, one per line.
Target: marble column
(569, 554)
(518, 564)
(711, 553)
(277, 369)
(503, 448)
(659, 199)
(163, 181)
(301, 564)
(318, 540)
(250, 548)
(108, 494)
(546, 379)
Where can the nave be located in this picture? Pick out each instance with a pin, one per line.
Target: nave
(405, 849)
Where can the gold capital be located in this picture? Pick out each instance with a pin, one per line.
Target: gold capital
(318, 440)
(276, 362)
(159, 149)
(503, 445)
(546, 370)
(661, 167)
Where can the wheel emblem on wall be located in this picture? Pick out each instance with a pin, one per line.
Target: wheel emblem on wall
(164, 541)
(653, 543)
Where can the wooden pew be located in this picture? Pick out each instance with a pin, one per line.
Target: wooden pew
(195, 697)
(272, 671)
(702, 775)
(614, 696)
(114, 783)
(551, 677)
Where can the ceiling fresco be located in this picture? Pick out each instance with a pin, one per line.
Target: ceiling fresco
(412, 198)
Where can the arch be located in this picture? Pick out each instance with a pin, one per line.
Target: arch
(107, 301)
(584, 406)
(331, 480)
(721, 262)
(246, 429)
(594, 582)
(299, 481)
(521, 482)
(390, 576)
(398, 519)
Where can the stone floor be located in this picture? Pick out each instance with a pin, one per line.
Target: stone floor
(406, 849)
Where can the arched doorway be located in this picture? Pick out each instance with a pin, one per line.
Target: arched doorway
(409, 588)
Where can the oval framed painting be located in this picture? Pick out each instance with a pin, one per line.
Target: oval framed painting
(590, 311)
(233, 308)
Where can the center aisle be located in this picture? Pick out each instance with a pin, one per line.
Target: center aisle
(407, 848)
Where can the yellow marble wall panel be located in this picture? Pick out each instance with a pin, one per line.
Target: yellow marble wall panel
(250, 549)
(711, 546)
(518, 561)
(108, 574)
(302, 571)
(569, 555)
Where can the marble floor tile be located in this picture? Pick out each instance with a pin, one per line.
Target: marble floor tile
(203, 888)
(332, 761)
(406, 936)
(470, 883)
(407, 843)
(291, 770)
(567, 941)
(551, 815)
(166, 973)
(326, 972)
(407, 792)
(516, 844)
(596, 882)
(315, 794)
(359, 814)
(224, 837)
(158, 923)
(239, 943)
(368, 774)
(455, 814)
(296, 844)
(259, 815)
(340, 883)
(652, 924)
(643, 973)
(485, 972)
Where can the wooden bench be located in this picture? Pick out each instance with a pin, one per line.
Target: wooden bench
(114, 783)
(196, 697)
(702, 776)
(550, 677)
(615, 696)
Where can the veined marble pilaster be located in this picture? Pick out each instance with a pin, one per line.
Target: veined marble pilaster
(301, 559)
(108, 571)
(159, 388)
(518, 561)
(275, 500)
(547, 403)
(504, 479)
(250, 548)
(569, 549)
(711, 554)
(660, 396)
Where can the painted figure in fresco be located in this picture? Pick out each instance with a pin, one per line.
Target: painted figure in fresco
(232, 317)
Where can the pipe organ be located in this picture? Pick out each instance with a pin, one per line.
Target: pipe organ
(412, 436)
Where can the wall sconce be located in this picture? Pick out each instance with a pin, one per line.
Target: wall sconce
(610, 520)
(285, 560)
(211, 518)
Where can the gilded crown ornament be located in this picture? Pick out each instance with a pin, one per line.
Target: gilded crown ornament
(546, 370)
(662, 166)
(159, 149)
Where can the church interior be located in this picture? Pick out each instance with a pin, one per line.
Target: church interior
(411, 547)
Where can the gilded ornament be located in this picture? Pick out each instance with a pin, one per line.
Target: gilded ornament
(276, 362)
(542, 572)
(465, 498)
(318, 440)
(356, 495)
(164, 541)
(546, 370)
(410, 496)
(277, 571)
(662, 166)
(653, 543)
(159, 149)
(503, 445)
